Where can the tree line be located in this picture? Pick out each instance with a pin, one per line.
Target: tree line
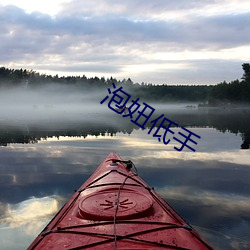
(236, 91)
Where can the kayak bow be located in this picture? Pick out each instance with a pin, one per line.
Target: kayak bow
(116, 209)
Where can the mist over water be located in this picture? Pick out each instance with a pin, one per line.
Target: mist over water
(52, 103)
(60, 103)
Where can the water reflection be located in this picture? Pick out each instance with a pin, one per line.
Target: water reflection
(235, 121)
(209, 188)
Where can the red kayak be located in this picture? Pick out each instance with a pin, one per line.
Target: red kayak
(116, 209)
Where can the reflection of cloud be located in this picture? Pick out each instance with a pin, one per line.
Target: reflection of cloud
(25, 220)
(234, 156)
(207, 149)
(229, 203)
(222, 219)
(29, 213)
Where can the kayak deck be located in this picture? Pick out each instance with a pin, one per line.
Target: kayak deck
(116, 209)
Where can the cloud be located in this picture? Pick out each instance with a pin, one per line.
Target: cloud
(229, 204)
(116, 29)
(125, 39)
(150, 9)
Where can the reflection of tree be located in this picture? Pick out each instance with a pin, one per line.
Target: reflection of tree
(246, 140)
(234, 121)
(19, 134)
(8, 137)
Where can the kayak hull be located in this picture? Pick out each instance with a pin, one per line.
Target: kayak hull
(116, 209)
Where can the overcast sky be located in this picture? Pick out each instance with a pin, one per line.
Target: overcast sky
(157, 41)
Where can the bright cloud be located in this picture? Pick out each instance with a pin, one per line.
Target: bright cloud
(45, 6)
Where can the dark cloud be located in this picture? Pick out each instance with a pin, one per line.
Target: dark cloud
(225, 31)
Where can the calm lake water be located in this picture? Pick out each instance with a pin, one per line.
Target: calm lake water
(44, 158)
